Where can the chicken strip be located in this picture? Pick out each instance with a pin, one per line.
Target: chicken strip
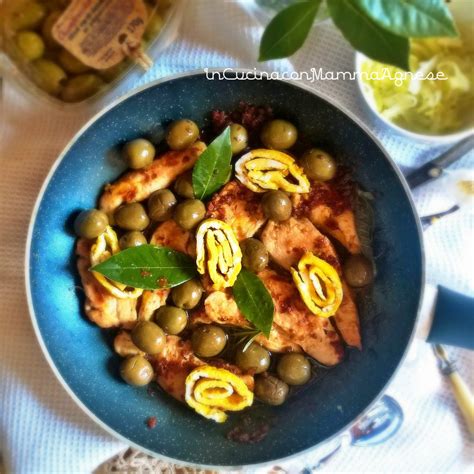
(239, 207)
(137, 185)
(177, 360)
(331, 210)
(169, 234)
(221, 308)
(150, 301)
(101, 307)
(316, 336)
(286, 243)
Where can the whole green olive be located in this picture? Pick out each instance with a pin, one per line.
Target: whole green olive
(171, 319)
(90, 224)
(134, 238)
(139, 153)
(70, 63)
(154, 26)
(358, 271)
(148, 337)
(112, 72)
(80, 87)
(254, 255)
(28, 15)
(161, 204)
(47, 29)
(277, 205)
(270, 390)
(131, 217)
(238, 138)
(136, 370)
(189, 213)
(183, 186)
(208, 340)
(181, 134)
(294, 369)
(279, 134)
(188, 294)
(318, 164)
(48, 75)
(255, 358)
(30, 45)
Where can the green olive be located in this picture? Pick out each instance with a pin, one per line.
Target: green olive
(161, 204)
(183, 186)
(131, 217)
(136, 370)
(294, 369)
(90, 224)
(47, 29)
(279, 134)
(112, 72)
(254, 359)
(81, 87)
(132, 239)
(318, 164)
(139, 153)
(70, 63)
(154, 26)
(181, 134)
(270, 390)
(277, 205)
(148, 337)
(254, 255)
(238, 138)
(188, 294)
(189, 213)
(48, 75)
(171, 319)
(30, 45)
(358, 271)
(28, 15)
(208, 340)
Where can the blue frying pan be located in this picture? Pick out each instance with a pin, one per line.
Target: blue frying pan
(80, 354)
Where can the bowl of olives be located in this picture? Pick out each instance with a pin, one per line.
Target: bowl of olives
(179, 263)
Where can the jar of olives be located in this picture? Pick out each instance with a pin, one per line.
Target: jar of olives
(38, 63)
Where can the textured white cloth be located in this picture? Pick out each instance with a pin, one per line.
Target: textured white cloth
(42, 430)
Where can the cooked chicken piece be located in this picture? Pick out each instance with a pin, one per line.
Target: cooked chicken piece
(169, 234)
(287, 241)
(150, 301)
(101, 307)
(124, 346)
(239, 207)
(316, 336)
(329, 209)
(137, 185)
(221, 308)
(177, 360)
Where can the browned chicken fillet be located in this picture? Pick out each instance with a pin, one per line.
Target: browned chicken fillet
(221, 308)
(139, 184)
(101, 307)
(169, 234)
(177, 360)
(316, 336)
(150, 301)
(329, 209)
(239, 207)
(286, 243)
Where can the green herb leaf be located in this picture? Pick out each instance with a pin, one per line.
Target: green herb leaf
(254, 301)
(366, 36)
(287, 31)
(411, 18)
(148, 267)
(213, 168)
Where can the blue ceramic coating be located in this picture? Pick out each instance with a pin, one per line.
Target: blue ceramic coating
(82, 352)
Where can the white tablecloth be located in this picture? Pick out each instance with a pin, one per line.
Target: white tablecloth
(42, 430)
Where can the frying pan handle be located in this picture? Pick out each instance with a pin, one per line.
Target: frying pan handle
(434, 168)
(453, 319)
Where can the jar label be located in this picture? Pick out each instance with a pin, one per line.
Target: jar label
(100, 33)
